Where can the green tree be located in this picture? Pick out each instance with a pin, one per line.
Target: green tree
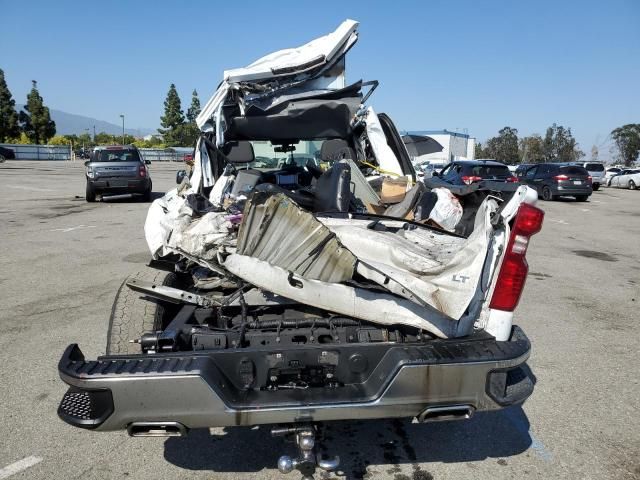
(194, 109)
(594, 153)
(504, 147)
(104, 138)
(173, 116)
(627, 139)
(560, 146)
(184, 135)
(8, 115)
(35, 120)
(478, 151)
(532, 149)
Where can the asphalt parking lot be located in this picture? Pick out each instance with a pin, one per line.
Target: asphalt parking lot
(62, 260)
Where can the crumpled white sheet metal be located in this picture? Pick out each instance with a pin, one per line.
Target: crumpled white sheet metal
(160, 222)
(355, 302)
(387, 160)
(427, 267)
(295, 59)
(201, 237)
(447, 211)
(292, 60)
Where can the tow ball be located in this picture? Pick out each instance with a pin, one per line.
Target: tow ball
(307, 460)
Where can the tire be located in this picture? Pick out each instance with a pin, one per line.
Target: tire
(582, 198)
(596, 187)
(632, 185)
(147, 194)
(90, 194)
(546, 194)
(133, 314)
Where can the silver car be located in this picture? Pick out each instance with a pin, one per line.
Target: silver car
(629, 178)
(116, 170)
(597, 172)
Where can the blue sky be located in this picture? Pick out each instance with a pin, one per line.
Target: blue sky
(466, 64)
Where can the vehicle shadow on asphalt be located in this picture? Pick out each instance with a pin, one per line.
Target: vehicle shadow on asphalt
(374, 446)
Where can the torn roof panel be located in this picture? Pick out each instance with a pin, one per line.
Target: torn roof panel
(290, 61)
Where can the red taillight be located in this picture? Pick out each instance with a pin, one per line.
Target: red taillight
(142, 171)
(469, 179)
(512, 180)
(514, 269)
(590, 179)
(559, 178)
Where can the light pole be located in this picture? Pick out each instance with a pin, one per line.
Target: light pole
(122, 116)
(83, 150)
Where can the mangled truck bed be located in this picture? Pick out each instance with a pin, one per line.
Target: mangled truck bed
(300, 273)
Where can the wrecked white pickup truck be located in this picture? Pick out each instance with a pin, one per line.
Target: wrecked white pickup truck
(300, 275)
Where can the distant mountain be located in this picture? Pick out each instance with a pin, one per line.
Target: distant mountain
(70, 123)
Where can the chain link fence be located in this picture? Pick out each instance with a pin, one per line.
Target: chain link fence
(40, 152)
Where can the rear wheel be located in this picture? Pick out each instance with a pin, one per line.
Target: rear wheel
(547, 194)
(632, 185)
(596, 187)
(147, 193)
(90, 193)
(582, 198)
(133, 313)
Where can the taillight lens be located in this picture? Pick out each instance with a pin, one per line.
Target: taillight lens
(590, 179)
(142, 171)
(469, 179)
(512, 180)
(560, 178)
(514, 269)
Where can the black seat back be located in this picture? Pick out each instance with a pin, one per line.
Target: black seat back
(336, 149)
(239, 152)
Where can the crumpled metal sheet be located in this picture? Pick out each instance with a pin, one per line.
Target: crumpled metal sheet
(427, 267)
(369, 305)
(276, 230)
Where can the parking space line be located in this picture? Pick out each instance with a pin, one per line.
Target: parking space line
(71, 229)
(536, 444)
(561, 222)
(19, 466)
(35, 189)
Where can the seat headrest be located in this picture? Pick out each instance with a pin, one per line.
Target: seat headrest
(239, 152)
(336, 149)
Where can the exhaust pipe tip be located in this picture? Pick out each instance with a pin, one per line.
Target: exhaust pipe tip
(157, 429)
(445, 413)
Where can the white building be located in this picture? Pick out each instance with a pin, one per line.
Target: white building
(456, 146)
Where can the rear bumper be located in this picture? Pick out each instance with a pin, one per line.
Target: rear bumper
(120, 185)
(570, 190)
(194, 390)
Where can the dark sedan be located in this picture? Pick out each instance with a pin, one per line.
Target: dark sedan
(552, 181)
(466, 172)
(7, 154)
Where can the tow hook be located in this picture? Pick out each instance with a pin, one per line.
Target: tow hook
(307, 460)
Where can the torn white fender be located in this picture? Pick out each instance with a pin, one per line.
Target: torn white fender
(369, 305)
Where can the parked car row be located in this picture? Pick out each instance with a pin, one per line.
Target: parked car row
(629, 178)
(550, 180)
